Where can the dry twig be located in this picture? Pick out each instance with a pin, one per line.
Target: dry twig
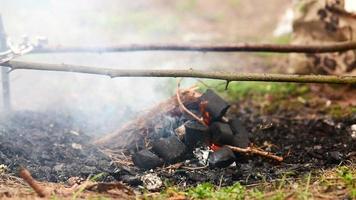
(254, 151)
(26, 176)
(239, 47)
(228, 76)
(185, 109)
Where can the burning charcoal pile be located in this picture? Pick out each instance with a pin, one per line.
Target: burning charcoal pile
(167, 143)
(184, 138)
(50, 146)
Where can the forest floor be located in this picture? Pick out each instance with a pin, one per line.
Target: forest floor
(313, 132)
(309, 125)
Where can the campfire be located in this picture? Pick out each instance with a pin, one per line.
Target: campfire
(189, 131)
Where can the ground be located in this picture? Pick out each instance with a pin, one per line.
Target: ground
(309, 125)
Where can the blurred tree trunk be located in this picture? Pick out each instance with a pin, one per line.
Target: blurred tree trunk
(320, 22)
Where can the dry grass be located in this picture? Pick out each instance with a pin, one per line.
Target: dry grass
(15, 188)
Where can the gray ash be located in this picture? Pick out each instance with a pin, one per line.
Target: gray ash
(50, 145)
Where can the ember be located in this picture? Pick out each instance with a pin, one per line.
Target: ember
(171, 143)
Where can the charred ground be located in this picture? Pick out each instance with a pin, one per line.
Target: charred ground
(54, 147)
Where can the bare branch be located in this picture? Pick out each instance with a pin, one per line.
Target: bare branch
(254, 151)
(26, 176)
(185, 109)
(239, 47)
(228, 76)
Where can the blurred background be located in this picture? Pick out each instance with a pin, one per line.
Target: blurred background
(105, 103)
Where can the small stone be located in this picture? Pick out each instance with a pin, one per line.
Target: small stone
(317, 147)
(76, 146)
(74, 132)
(3, 169)
(151, 182)
(353, 131)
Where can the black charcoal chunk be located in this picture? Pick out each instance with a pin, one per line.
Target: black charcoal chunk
(145, 159)
(196, 134)
(216, 106)
(334, 157)
(131, 180)
(223, 157)
(222, 134)
(171, 149)
(240, 132)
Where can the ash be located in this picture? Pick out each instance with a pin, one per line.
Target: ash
(50, 145)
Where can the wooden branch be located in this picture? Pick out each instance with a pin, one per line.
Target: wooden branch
(5, 77)
(240, 47)
(185, 109)
(252, 150)
(228, 76)
(26, 176)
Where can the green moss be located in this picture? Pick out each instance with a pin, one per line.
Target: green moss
(348, 176)
(201, 191)
(209, 191)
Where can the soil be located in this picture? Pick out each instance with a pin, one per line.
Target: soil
(49, 145)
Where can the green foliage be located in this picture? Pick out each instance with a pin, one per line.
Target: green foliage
(202, 191)
(348, 176)
(256, 194)
(304, 193)
(97, 177)
(279, 195)
(236, 191)
(208, 191)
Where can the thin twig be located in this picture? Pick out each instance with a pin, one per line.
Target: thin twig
(239, 47)
(228, 76)
(26, 176)
(251, 150)
(185, 109)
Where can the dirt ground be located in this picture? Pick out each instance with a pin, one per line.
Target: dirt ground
(310, 131)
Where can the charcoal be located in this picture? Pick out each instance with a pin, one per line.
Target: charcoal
(195, 134)
(334, 157)
(216, 106)
(145, 159)
(222, 134)
(171, 149)
(240, 133)
(131, 180)
(223, 157)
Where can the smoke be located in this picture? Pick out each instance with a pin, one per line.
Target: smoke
(101, 102)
